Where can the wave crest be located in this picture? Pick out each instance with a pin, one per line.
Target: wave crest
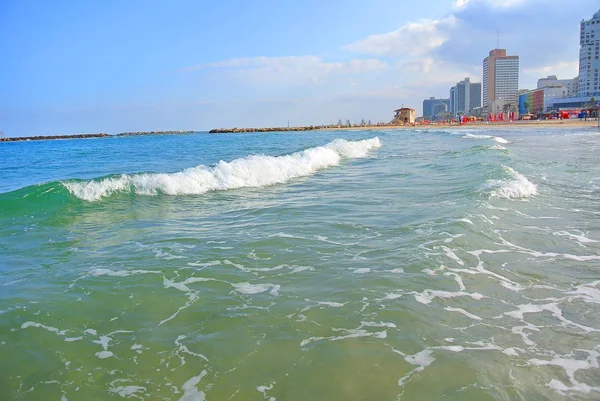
(498, 139)
(514, 186)
(252, 171)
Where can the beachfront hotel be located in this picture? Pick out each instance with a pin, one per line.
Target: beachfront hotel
(464, 97)
(500, 78)
(570, 86)
(589, 56)
(433, 107)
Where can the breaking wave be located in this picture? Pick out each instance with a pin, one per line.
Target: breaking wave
(513, 186)
(498, 139)
(251, 171)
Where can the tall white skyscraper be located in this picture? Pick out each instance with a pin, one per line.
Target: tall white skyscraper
(500, 77)
(589, 54)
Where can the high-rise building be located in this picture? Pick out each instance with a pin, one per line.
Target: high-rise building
(500, 77)
(589, 54)
(452, 108)
(466, 96)
(570, 85)
(433, 107)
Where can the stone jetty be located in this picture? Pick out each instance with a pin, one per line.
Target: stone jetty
(51, 137)
(273, 129)
(155, 133)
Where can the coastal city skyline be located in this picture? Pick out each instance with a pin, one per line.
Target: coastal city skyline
(77, 69)
(500, 91)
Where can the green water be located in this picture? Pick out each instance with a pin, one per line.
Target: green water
(460, 265)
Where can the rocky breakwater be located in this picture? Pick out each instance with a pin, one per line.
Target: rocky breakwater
(51, 137)
(273, 129)
(155, 133)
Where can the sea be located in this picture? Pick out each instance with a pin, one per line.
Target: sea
(397, 264)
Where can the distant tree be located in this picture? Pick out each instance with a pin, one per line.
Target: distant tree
(507, 107)
(594, 111)
(526, 107)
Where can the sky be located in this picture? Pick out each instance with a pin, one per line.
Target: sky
(69, 67)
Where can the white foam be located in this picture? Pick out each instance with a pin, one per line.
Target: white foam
(103, 341)
(450, 253)
(515, 186)
(361, 270)
(356, 333)
(120, 273)
(250, 172)
(264, 389)
(127, 391)
(331, 304)
(179, 286)
(41, 326)
(190, 391)
(571, 366)
(427, 296)
(477, 136)
(551, 307)
(104, 354)
(184, 348)
(458, 280)
(422, 358)
(206, 264)
(578, 237)
(299, 269)
(464, 312)
(252, 289)
(590, 293)
(511, 351)
(389, 325)
(498, 139)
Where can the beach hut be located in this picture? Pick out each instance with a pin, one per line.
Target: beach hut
(404, 115)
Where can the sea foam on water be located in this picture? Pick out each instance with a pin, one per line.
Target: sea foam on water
(252, 171)
(514, 186)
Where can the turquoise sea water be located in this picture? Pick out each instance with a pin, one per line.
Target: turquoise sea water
(339, 265)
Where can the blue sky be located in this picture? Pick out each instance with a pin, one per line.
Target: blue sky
(111, 66)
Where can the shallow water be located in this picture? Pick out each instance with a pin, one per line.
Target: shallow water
(367, 265)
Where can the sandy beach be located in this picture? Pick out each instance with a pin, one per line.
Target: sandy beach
(491, 125)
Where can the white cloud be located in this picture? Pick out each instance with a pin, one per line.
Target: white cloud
(567, 69)
(460, 4)
(562, 69)
(414, 38)
(290, 70)
(429, 73)
(422, 65)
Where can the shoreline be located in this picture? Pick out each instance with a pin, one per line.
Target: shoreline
(492, 125)
(499, 124)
